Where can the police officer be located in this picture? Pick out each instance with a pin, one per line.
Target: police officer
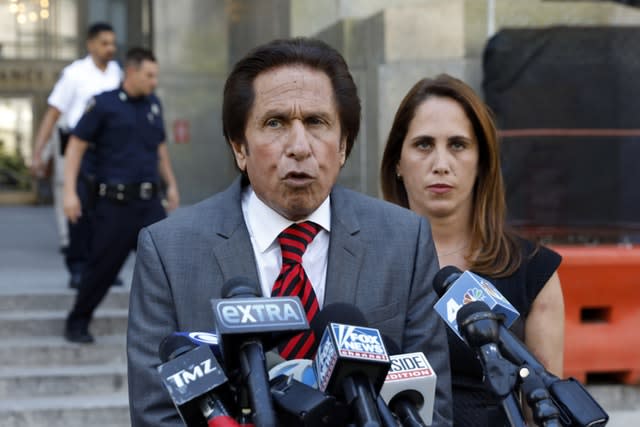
(127, 130)
(79, 81)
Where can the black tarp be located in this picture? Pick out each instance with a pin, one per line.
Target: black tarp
(567, 102)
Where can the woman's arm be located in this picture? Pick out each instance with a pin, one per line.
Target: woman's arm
(544, 327)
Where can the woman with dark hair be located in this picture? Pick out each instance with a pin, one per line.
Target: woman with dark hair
(442, 160)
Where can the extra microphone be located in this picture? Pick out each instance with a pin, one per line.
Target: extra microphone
(456, 289)
(410, 387)
(577, 407)
(351, 362)
(195, 381)
(243, 320)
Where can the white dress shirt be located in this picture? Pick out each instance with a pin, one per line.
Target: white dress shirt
(80, 81)
(264, 225)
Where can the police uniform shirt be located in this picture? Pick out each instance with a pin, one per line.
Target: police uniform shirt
(126, 132)
(80, 81)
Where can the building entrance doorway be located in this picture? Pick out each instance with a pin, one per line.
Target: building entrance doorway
(16, 128)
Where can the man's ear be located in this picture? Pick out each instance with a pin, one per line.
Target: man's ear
(240, 154)
(343, 151)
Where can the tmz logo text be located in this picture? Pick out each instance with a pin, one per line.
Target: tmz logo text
(356, 341)
(410, 365)
(186, 376)
(261, 312)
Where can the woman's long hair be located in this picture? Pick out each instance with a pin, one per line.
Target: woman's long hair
(494, 249)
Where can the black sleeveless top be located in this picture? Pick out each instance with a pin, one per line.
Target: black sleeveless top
(473, 405)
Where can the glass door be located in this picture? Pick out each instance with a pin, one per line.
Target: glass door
(16, 124)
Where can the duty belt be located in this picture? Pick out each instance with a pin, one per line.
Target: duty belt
(125, 192)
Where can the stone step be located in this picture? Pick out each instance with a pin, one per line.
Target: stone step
(32, 382)
(108, 410)
(51, 323)
(56, 299)
(56, 351)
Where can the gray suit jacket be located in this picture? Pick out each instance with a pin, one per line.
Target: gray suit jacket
(381, 258)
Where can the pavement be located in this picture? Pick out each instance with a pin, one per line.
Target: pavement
(30, 260)
(30, 255)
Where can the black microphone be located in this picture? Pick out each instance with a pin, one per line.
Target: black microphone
(243, 321)
(576, 405)
(351, 362)
(480, 329)
(195, 381)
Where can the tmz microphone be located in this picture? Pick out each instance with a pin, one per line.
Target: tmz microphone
(456, 289)
(351, 362)
(243, 321)
(410, 387)
(195, 381)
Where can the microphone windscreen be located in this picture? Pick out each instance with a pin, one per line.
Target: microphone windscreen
(173, 346)
(240, 287)
(339, 312)
(444, 278)
(390, 345)
(469, 309)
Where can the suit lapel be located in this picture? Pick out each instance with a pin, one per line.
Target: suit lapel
(346, 251)
(235, 254)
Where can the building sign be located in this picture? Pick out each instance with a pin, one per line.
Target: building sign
(28, 75)
(181, 132)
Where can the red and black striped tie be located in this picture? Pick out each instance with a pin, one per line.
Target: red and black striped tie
(293, 281)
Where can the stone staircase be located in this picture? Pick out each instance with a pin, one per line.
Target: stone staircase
(46, 381)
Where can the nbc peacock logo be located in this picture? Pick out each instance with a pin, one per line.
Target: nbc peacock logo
(473, 294)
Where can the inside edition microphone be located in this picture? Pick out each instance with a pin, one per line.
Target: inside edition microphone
(351, 362)
(195, 381)
(456, 289)
(243, 321)
(410, 387)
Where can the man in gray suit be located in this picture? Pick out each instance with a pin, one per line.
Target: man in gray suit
(291, 114)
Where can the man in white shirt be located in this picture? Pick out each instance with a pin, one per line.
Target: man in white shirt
(79, 82)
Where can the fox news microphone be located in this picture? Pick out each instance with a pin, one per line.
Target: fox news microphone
(410, 386)
(351, 362)
(576, 405)
(243, 321)
(456, 289)
(196, 383)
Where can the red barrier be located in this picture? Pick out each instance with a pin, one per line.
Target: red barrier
(601, 287)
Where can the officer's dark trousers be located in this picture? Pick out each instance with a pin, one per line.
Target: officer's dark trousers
(76, 254)
(114, 228)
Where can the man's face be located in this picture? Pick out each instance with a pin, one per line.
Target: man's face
(144, 78)
(294, 149)
(103, 46)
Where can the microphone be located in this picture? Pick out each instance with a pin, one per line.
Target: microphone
(209, 339)
(576, 405)
(299, 369)
(410, 386)
(456, 289)
(481, 330)
(243, 321)
(195, 381)
(351, 362)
